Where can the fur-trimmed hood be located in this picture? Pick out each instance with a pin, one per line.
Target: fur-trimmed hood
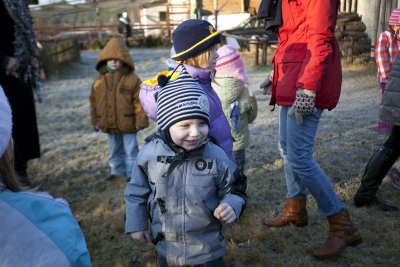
(115, 49)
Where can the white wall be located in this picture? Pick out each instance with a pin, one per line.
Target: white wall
(227, 21)
(151, 15)
(366, 9)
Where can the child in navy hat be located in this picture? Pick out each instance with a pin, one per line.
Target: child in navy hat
(195, 43)
(183, 183)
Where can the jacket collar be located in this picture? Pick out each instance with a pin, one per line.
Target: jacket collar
(180, 151)
(124, 70)
(198, 72)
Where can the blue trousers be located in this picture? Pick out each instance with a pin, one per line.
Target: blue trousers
(301, 170)
(123, 152)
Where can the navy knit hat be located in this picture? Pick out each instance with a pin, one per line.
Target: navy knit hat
(181, 99)
(192, 37)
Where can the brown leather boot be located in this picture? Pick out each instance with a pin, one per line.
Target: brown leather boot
(294, 213)
(342, 233)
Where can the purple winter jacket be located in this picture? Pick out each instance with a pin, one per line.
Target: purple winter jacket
(219, 125)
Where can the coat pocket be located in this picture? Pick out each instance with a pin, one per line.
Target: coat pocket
(202, 184)
(127, 121)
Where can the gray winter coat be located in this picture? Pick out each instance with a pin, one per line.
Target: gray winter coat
(390, 109)
(178, 192)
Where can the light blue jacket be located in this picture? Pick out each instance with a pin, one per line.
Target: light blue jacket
(38, 230)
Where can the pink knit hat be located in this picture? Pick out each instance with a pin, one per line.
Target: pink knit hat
(230, 64)
(395, 17)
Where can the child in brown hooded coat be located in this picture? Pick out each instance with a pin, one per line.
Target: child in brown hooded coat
(115, 108)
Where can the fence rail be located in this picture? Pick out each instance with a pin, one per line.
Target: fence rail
(259, 43)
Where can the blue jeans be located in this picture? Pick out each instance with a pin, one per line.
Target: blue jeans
(123, 151)
(301, 170)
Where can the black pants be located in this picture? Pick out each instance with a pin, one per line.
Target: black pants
(25, 130)
(162, 261)
(393, 142)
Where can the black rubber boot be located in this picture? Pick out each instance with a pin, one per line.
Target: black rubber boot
(375, 172)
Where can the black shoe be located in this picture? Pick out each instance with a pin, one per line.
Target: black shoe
(128, 179)
(375, 202)
(110, 177)
(375, 171)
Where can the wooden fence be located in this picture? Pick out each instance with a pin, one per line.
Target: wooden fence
(258, 44)
(54, 58)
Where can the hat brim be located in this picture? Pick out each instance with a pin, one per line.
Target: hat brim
(211, 40)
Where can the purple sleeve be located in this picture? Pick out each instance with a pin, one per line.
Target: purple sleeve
(148, 101)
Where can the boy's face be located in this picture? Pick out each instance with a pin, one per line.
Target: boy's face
(189, 133)
(210, 64)
(114, 64)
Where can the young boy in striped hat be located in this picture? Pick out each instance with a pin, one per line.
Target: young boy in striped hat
(183, 183)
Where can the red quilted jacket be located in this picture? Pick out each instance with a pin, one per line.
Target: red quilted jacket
(308, 54)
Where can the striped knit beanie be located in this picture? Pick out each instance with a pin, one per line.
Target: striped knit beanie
(395, 17)
(5, 122)
(230, 64)
(181, 99)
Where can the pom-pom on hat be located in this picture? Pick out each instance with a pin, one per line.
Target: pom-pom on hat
(181, 99)
(192, 37)
(5, 122)
(394, 18)
(230, 64)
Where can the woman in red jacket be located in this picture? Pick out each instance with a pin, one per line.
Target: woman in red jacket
(307, 79)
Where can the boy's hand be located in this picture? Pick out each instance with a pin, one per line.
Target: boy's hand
(225, 213)
(142, 237)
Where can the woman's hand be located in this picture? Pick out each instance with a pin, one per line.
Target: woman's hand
(142, 237)
(34, 63)
(12, 64)
(225, 213)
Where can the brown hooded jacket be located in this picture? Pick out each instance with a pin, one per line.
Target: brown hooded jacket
(114, 98)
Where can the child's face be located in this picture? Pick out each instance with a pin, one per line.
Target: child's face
(189, 133)
(395, 27)
(114, 64)
(210, 64)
